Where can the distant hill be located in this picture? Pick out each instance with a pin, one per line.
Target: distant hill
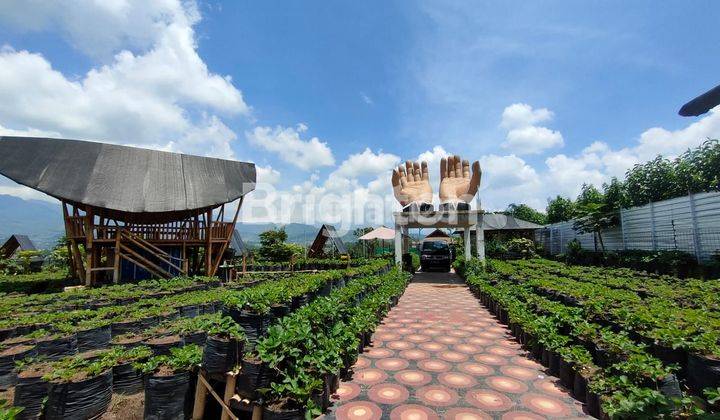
(42, 222)
(298, 233)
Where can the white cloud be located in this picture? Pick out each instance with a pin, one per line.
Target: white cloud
(367, 163)
(100, 28)
(267, 175)
(658, 140)
(532, 140)
(162, 97)
(524, 135)
(28, 132)
(523, 115)
(368, 100)
(286, 143)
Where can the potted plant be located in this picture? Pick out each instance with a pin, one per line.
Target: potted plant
(169, 381)
(31, 389)
(127, 379)
(223, 346)
(9, 355)
(79, 388)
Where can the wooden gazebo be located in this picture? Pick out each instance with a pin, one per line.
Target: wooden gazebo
(133, 212)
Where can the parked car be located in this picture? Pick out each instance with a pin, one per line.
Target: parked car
(435, 254)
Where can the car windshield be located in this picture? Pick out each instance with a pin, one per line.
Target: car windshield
(434, 245)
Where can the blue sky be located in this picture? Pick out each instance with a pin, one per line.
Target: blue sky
(547, 95)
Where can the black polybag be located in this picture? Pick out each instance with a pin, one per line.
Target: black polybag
(86, 399)
(167, 397)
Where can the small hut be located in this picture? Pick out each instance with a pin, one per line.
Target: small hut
(327, 232)
(132, 212)
(438, 235)
(15, 244)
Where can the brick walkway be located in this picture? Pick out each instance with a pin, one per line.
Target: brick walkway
(440, 354)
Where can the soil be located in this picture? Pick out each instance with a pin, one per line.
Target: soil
(91, 354)
(130, 339)
(164, 340)
(15, 350)
(8, 395)
(164, 371)
(35, 370)
(125, 407)
(17, 340)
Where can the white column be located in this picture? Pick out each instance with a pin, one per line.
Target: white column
(398, 244)
(480, 242)
(466, 239)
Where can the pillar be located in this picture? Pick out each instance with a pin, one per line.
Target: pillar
(480, 242)
(398, 244)
(466, 240)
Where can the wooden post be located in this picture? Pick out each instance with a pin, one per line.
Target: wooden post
(257, 412)
(200, 399)
(89, 220)
(229, 392)
(116, 264)
(208, 242)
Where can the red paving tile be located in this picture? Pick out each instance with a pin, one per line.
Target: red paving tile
(439, 354)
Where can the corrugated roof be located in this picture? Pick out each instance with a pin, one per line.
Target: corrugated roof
(497, 221)
(122, 178)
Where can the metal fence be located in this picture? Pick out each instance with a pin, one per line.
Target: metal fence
(690, 224)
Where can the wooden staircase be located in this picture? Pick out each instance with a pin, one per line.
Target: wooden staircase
(142, 253)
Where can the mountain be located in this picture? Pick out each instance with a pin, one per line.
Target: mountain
(40, 220)
(298, 233)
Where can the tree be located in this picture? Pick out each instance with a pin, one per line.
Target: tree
(525, 212)
(614, 198)
(589, 194)
(274, 248)
(560, 209)
(591, 213)
(655, 180)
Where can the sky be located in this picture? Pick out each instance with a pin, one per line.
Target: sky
(326, 97)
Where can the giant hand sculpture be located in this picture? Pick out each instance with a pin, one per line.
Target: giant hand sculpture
(456, 182)
(411, 183)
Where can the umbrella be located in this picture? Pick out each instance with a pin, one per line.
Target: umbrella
(382, 233)
(702, 103)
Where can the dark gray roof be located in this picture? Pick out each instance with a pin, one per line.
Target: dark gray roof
(326, 232)
(702, 103)
(122, 178)
(237, 244)
(16, 243)
(498, 221)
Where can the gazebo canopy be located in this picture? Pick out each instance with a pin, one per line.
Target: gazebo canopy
(381, 233)
(702, 103)
(125, 183)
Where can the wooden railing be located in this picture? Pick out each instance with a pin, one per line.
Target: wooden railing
(175, 232)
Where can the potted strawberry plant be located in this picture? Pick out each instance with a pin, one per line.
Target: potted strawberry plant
(223, 346)
(31, 389)
(79, 388)
(9, 355)
(127, 379)
(169, 382)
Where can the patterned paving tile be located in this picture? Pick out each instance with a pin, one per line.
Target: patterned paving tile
(439, 354)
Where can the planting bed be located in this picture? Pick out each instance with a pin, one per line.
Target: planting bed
(631, 345)
(77, 348)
